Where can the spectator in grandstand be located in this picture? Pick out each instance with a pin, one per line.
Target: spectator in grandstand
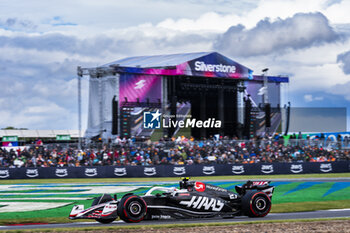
(178, 151)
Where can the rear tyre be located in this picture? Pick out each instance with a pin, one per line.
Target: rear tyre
(132, 209)
(256, 204)
(103, 199)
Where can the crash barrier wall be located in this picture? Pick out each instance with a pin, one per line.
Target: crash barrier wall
(175, 170)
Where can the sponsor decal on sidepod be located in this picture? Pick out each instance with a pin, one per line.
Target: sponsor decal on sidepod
(208, 203)
(199, 186)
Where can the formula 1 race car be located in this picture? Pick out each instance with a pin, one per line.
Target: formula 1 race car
(191, 200)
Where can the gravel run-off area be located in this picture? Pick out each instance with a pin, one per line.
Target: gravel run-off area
(288, 227)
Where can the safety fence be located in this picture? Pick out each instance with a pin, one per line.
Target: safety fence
(175, 170)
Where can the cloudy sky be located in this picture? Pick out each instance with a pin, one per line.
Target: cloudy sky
(42, 43)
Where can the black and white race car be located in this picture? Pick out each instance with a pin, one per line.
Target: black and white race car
(193, 199)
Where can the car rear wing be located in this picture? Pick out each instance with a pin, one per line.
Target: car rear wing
(263, 186)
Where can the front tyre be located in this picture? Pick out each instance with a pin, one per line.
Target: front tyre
(105, 221)
(103, 199)
(256, 204)
(132, 209)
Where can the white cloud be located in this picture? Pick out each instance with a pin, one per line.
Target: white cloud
(38, 62)
(338, 13)
(209, 22)
(344, 60)
(44, 109)
(17, 24)
(342, 90)
(310, 98)
(298, 32)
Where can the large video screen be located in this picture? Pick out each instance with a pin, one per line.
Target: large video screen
(142, 87)
(255, 92)
(274, 93)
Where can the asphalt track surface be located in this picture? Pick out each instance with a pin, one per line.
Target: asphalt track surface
(278, 216)
(321, 214)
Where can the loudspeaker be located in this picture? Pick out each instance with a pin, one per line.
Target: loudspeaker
(267, 115)
(115, 108)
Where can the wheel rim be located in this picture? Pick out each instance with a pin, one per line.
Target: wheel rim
(135, 208)
(260, 203)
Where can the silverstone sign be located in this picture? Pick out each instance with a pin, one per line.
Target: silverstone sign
(174, 170)
(202, 66)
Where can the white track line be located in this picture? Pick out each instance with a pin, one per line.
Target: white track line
(337, 210)
(45, 198)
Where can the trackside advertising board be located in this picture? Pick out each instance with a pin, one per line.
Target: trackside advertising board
(175, 170)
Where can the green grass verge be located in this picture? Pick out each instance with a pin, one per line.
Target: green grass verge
(155, 179)
(309, 206)
(184, 225)
(41, 220)
(288, 197)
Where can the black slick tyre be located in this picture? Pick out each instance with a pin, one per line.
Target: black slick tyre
(256, 204)
(105, 221)
(103, 199)
(132, 209)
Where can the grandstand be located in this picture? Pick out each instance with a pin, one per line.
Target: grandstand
(23, 137)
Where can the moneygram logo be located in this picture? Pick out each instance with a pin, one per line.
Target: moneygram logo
(151, 120)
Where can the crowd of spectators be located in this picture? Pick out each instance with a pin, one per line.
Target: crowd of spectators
(178, 151)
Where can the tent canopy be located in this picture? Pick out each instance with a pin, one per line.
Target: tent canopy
(157, 60)
(204, 64)
(38, 133)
